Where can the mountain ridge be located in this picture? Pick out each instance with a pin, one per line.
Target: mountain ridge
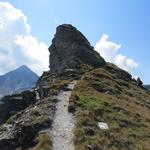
(102, 94)
(147, 86)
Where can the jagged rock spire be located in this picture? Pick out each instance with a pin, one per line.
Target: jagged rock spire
(70, 48)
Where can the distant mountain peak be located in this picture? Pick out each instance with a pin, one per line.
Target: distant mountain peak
(19, 79)
(24, 67)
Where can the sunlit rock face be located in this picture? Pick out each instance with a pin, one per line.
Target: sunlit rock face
(70, 48)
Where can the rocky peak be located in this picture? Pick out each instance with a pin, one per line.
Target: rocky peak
(68, 33)
(70, 48)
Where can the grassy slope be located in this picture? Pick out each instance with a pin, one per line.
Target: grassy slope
(106, 94)
(110, 95)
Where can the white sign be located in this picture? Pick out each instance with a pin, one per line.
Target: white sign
(103, 125)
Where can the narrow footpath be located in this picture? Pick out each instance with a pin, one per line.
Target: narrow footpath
(63, 125)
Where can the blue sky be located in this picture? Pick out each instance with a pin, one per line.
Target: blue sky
(126, 23)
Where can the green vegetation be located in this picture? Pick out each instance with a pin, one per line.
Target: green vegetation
(106, 94)
(109, 95)
(92, 102)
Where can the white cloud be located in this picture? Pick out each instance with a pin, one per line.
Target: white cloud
(107, 49)
(110, 52)
(125, 63)
(36, 52)
(17, 45)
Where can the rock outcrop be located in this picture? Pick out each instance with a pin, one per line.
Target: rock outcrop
(10, 105)
(70, 49)
(103, 93)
